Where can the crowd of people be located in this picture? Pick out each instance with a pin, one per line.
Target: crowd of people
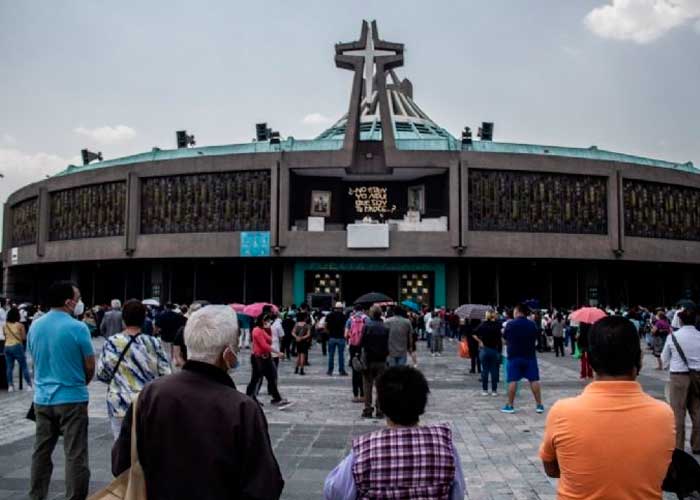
(175, 360)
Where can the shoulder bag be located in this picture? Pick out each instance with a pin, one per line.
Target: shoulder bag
(121, 357)
(130, 484)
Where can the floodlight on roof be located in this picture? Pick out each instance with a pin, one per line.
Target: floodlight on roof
(466, 136)
(486, 131)
(89, 156)
(184, 140)
(262, 132)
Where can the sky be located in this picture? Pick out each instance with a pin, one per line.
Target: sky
(122, 77)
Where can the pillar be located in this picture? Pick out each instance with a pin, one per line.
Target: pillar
(452, 285)
(288, 283)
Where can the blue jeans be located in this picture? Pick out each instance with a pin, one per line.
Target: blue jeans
(12, 353)
(340, 345)
(398, 360)
(490, 361)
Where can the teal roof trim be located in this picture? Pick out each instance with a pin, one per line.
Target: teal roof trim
(592, 153)
(287, 145)
(443, 143)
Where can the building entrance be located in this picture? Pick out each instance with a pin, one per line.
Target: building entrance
(358, 283)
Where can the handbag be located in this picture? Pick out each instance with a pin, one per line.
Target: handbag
(130, 484)
(359, 362)
(464, 349)
(683, 476)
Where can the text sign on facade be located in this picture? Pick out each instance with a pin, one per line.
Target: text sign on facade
(371, 200)
(14, 256)
(255, 244)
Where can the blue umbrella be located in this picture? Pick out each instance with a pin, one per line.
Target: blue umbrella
(411, 305)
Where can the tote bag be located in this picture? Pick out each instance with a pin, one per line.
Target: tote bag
(130, 484)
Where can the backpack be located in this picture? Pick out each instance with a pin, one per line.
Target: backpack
(357, 323)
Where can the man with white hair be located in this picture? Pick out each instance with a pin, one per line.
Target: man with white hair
(112, 321)
(219, 442)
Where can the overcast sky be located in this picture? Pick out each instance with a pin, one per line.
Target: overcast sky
(121, 77)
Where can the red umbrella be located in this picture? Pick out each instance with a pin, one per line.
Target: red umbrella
(237, 307)
(255, 310)
(588, 315)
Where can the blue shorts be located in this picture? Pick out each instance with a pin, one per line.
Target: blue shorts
(519, 368)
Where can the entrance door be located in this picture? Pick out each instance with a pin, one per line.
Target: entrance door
(356, 283)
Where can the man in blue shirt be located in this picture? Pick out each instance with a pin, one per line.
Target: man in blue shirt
(521, 339)
(64, 363)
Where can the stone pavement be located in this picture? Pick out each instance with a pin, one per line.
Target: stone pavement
(498, 452)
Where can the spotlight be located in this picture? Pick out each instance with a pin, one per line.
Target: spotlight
(262, 133)
(486, 131)
(88, 156)
(466, 136)
(184, 140)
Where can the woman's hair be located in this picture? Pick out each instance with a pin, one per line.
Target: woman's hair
(375, 312)
(13, 315)
(261, 319)
(133, 313)
(402, 393)
(490, 316)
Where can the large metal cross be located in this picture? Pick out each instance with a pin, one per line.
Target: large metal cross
(370, 49)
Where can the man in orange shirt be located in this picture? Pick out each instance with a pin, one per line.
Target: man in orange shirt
(612, 441)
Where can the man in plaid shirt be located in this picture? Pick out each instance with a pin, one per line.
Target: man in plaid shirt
(404, 460)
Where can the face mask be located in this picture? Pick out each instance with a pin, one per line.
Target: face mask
(79, 308)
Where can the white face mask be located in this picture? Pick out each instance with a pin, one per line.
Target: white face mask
(79, 308)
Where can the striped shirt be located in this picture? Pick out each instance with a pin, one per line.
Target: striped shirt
(144, 361)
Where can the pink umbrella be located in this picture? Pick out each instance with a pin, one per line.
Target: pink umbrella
(237, 307)
(255, 310)
(588, 315)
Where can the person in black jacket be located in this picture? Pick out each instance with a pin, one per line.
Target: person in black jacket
(218, 447)
(375, 349)
(488, 335)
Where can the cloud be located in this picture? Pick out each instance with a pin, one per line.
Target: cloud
(641, 21)
(19, 168)
(9, 139)
(316, 119)
(107, 134)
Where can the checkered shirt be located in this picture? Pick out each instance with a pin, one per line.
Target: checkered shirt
(415, 463)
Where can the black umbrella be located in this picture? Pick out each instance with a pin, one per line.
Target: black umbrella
(372, 297)
(686, 304)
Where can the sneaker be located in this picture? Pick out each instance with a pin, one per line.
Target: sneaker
(29, 388)
(539, 409)
(343, 374)
(494, 393)
(330, 374)
(284, 404)
(379, 415)
(507, 409)
(367, 414)
(10, 388)
(484, 393)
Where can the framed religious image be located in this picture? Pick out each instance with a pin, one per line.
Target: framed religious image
(416, 198)
(320, 204)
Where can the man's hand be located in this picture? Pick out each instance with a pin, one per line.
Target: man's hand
(89, 362)
(551, 469)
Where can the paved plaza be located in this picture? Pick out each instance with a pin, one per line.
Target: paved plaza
(499, 452)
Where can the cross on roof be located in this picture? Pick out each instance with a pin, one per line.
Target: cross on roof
(369, 47)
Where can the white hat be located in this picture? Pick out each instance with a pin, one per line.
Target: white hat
(338, 305)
